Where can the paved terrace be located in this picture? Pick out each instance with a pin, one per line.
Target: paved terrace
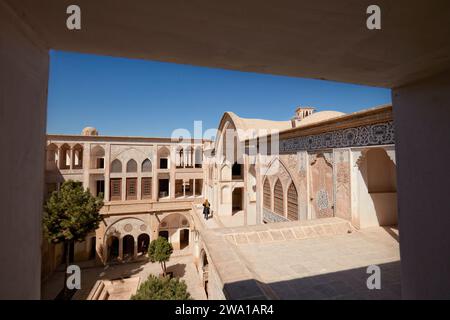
(181, 266)
(315, 259)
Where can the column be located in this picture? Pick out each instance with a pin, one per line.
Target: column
(135, 253)
(71, 157)
(155, 165)
(107, 169)
(138, 186)
(60, 161)
(422, 136)
(23, 83)
(172, 173)
(124, 187)
(86, 164)
(120, 249)
(259, 190)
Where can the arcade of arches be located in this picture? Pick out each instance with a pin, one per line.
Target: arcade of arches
(153, 190)
(324, 189)
(129, 238)
(347, 173)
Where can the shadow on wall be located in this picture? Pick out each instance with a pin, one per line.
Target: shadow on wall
(348, 284)
(381, 185)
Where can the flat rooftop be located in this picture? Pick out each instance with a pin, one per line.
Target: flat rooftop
(313, 259)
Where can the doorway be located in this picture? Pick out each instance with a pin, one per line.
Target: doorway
(184, 238)
(128, 247)
(163, 188)
(143, 243)
(237, 199)
(164, 234)
(113, 248)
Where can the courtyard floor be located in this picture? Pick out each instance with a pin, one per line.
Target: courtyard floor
(327, 267)
(314, 259)
(182, 266)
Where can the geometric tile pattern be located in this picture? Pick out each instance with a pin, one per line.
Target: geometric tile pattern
(376, 134)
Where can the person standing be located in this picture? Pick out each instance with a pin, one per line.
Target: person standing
(206, 208)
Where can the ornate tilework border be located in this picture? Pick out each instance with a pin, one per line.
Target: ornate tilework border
(269, 216)
(376, 134)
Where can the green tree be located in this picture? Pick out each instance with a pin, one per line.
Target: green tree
(165, 288)
(160, 251)
(70, 215)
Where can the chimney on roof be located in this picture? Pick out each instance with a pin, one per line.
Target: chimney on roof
(300, 114)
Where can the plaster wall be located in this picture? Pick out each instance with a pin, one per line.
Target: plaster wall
(24, 63)
(422, 113)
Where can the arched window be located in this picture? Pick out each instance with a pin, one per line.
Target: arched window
(97, 158)
(52, 157)
(292, 204)
(236, 171)
(116, 166)
(163, 158)
(225, 195)
(198, 157)
(146, 166)
(267, 195)
(278, 206)
(77, 161)
(179, 158)
(189, 157)
(131, 166)
(64, 162)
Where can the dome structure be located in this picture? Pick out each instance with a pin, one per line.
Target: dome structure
(89, 131)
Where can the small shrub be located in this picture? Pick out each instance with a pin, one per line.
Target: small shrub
(165, 288)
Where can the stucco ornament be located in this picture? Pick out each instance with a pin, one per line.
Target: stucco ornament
(376, 134)
(322, 199)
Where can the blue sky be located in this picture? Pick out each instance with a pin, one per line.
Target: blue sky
(145, 98)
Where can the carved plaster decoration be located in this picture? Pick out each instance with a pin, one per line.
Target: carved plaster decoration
(342, 175)
(359, 156)
(328, 157)
(376, 134)
(322, 199)
(269, 216)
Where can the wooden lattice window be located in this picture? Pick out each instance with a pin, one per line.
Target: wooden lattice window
(146, 186)
(146, 166)
(292, 205)
(278, 200)
(116, 189)
(116, 166)
(131, 188)
(132, 166)
(267, 195)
